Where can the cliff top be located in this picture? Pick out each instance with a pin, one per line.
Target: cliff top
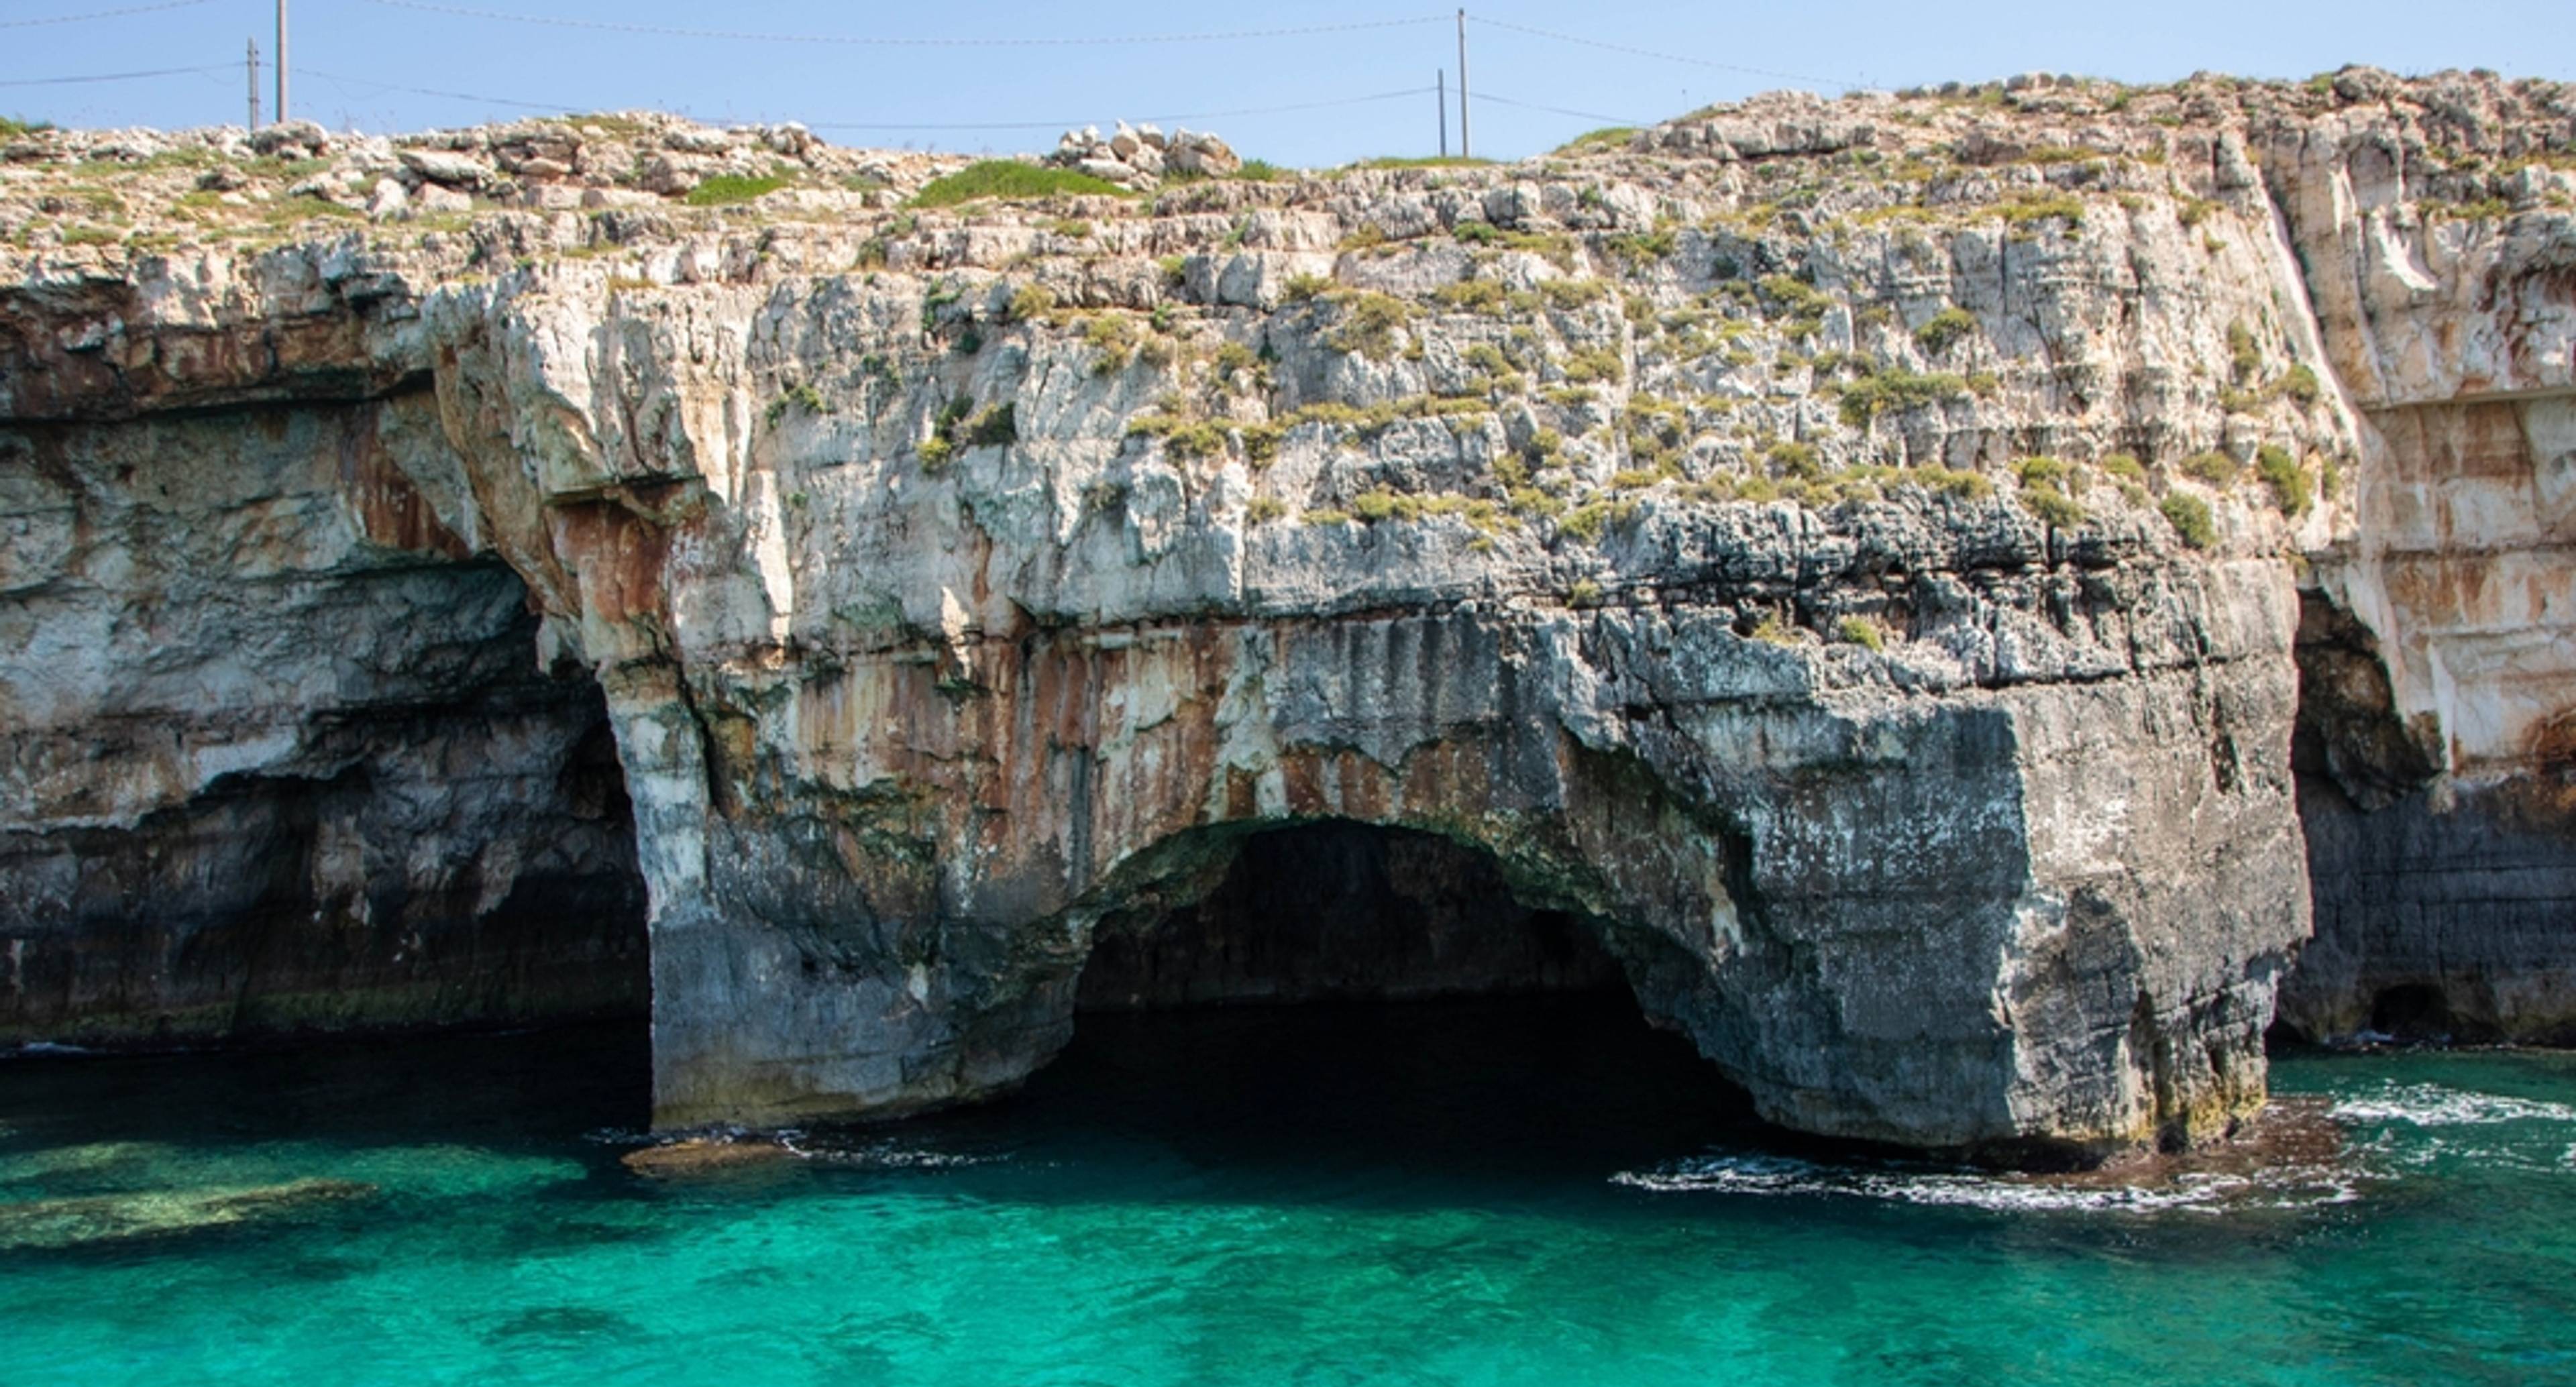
(2477, 140)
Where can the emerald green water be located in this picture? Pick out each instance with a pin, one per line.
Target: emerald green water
(1475, 1193)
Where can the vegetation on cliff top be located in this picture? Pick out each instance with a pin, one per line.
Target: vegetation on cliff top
(1009, 178)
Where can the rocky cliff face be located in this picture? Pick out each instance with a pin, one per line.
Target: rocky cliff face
(1843, 560)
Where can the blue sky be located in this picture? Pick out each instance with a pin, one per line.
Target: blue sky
(356, 58)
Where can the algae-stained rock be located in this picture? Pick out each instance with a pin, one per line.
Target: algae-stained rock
(107, 1218)
(1840, 553)
(695, 1156)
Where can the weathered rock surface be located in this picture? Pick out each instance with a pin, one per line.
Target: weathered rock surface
(1809, 547)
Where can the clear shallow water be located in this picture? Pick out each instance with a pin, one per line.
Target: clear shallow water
(1474, 1193)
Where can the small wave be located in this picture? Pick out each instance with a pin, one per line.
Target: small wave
(2432, 1105)
(2299, 1187)
(34, 1048)
(883, 1155)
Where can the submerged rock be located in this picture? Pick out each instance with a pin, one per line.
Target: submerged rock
(62, 1223)
(707, 1155)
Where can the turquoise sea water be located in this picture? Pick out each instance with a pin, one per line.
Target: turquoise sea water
(1470, 1193)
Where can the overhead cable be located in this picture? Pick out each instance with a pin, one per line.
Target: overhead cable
(1557, 110)
(449, 95)
(117, 76)
(98, 14)
(1651, 53)
(883, 41)
(568, 107)
(1076, 124)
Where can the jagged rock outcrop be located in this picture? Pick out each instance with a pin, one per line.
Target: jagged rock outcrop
(1842, 556)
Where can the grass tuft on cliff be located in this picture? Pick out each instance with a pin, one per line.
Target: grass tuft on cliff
(11, 127)
(725, 189)
(1011, 178)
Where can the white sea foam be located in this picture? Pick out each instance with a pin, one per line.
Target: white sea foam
(883, 1155)
(48, 1047)
(2432, 1105)
(2291, 1187)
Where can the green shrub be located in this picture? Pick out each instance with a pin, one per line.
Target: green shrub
(2215, 468)
(1607, 137)
(2034, 207)
(1367, 325)
(1261, 441)
(1010, 178)
(935, 453)
(997, 426)
(797, 397)
(1586, 522)
(2190, 517)
(727, 188)
(1584, 593)
(1183, 438)
(1943, 329)
(1071, 228)
(2300, 384)
(12, 127)
(2051, 505)
(1570, 294)
(1595, 364)
(1967, 486)
(1860, 630)
(1114, 338)
(2126, 468)
(2244, 354)
(1326, 516)
(1471, 296)
(1870, 396)
(1030, 301)
(1794, 460)
(1641, 248)
(1771, 630)
(2282, 473)
(2040, 471)
(1796, 296)
(1305, 288)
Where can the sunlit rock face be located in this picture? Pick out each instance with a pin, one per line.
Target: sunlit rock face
(1840, 561)
(2439, 766)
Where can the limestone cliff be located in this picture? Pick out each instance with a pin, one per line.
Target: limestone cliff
(1845, 558)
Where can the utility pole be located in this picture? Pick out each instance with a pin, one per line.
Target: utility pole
(1443, 105)
(281, 61)
(254, 84)
(1466, 149)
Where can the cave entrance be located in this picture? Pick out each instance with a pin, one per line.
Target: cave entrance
(1344, 912)
(1348, 994)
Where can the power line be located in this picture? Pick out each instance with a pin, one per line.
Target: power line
(98, 14)
(872, 41)
(554, 107)
(1645, 52)
(1075, 124)
(113, 76)
(1559, 110)
(557, 107)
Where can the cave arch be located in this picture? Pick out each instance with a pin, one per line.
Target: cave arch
(1339, 910)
